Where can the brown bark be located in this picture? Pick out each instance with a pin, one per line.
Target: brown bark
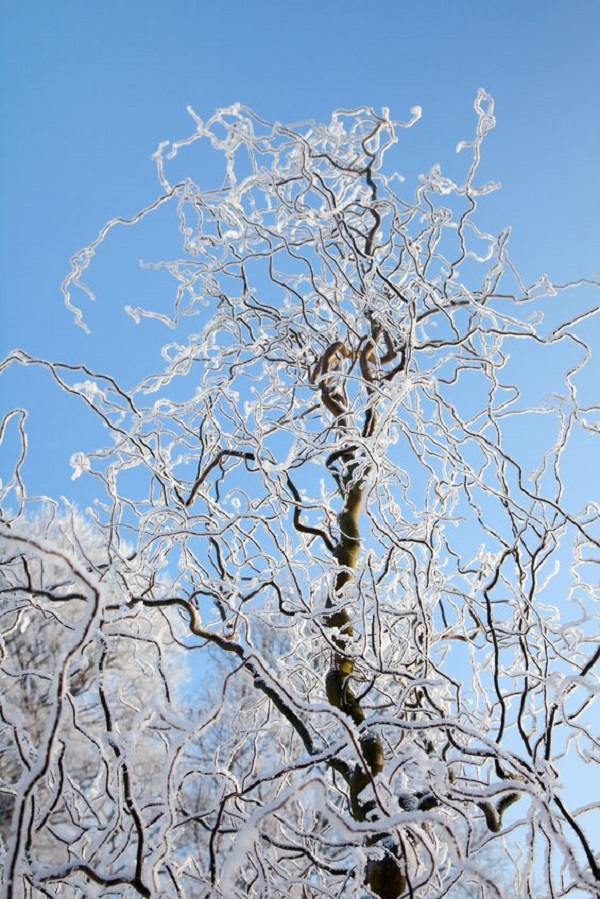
(385, 875)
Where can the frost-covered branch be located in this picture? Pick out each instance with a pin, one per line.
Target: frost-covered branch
(336, 634)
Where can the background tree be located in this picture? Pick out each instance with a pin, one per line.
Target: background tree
(84, 744)
(340, 450)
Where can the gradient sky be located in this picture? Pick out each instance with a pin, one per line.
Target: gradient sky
(89, 89)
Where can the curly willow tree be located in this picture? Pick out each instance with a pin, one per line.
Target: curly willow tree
(344, 484)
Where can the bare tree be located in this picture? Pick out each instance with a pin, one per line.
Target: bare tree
(84, 745)
(343, 450)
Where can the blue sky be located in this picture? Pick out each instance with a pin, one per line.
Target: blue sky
(89, 88)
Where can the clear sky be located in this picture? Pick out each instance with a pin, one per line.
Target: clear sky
(89, 88)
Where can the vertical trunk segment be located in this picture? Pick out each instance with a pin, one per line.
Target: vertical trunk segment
(384, 876)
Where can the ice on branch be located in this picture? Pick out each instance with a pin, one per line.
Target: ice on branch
(79, 463)
(335, 629)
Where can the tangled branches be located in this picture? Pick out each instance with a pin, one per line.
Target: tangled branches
(349, 501)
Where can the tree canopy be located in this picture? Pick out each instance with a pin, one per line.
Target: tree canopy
(341, 510)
